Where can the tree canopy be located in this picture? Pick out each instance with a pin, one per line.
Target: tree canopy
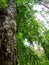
(30, 28)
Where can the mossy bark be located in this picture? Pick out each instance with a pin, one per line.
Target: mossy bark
(8, 51)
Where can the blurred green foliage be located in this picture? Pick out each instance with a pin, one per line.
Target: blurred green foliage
(3, 4)
(30, 29)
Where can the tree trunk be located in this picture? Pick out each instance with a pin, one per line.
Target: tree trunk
(8, 53)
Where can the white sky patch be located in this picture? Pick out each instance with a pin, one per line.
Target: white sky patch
(35, 44)
(39, 7)
(26, 42)
(42, 15)
(39, 17)
(41, 49)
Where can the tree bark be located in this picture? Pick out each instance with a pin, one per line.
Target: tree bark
(8, 51)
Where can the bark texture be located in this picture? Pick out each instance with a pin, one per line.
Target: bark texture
(8, 53)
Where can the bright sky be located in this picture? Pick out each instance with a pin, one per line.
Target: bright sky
(41, 14)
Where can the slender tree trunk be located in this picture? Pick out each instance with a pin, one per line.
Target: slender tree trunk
(8, 53)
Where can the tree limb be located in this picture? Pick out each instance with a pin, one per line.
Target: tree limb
(44, 5)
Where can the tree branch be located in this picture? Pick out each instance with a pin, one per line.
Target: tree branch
(44, 5)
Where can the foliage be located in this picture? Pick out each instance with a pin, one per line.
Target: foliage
(25, 55)
(26, 22)
(23, 1)
(3, 4)
(29, 28)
